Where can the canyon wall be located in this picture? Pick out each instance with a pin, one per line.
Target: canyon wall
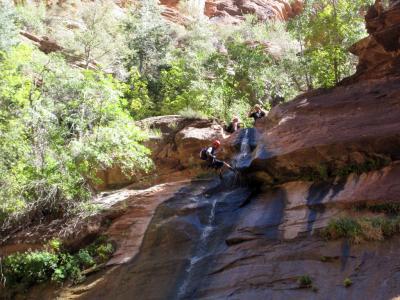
(324, 155)
(233, 11)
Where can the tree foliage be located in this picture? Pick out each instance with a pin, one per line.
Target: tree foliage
(8, 28)
(59, 125)
(148, 37)
(325, 30)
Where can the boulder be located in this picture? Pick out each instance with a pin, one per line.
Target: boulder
(175, 151)
(328, 131)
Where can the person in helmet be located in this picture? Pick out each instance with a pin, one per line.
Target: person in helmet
(209, 154)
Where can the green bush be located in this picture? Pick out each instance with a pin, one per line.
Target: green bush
(347, 282)
(85, 258)
(305, 281)
(362, 229)
(33, 19)
(192, 114)
(8, 27)
(32, 267)
(56, 136)
(342, 227)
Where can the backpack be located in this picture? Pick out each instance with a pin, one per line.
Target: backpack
(203, 154)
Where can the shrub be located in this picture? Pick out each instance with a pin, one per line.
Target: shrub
(85, 258)
(8, 27)
(305, 281)
(362, 229)
(32, 267)
(192, 114)
(29, 268)
(347, 282)
(33, 19)
(387, 208)
(56, 136)
(343, 227)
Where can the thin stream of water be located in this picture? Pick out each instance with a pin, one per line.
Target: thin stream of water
(244, 155)
(201, 249)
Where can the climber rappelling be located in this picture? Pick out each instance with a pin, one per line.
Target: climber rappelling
(209, 154)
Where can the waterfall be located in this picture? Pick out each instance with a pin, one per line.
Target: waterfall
(201, 249)
(243, 158)
(244, 146)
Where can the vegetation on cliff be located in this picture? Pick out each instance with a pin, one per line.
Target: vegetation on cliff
(22, 270)
(59, 125)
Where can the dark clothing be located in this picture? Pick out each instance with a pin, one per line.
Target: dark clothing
(231, 128)
(257, 115)
(216, 164)
(213, 162)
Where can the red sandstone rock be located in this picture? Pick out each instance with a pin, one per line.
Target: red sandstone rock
(347, 125)
(379, 53)
(266, 241)
(175, 153)
(232, 11)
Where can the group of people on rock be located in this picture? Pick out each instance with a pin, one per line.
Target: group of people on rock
(209, 153)
(256, 113)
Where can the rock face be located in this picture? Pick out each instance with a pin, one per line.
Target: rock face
(379, 53)
(233, 11)
(210, 241)
(327, 133)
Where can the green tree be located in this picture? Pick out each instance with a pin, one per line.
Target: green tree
(181, 89)
(136, 93)
(8, 28)
(59, 125)
(325, 30)
(148, 37)
(239, 72)
(99, 39)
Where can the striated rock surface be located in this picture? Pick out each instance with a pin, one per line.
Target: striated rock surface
(233, 11)
(330, 132)
(211, 241)
(379, 53)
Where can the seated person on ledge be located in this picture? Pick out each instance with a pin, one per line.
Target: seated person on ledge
(233, 126)
(209, 155)
(256, 113)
